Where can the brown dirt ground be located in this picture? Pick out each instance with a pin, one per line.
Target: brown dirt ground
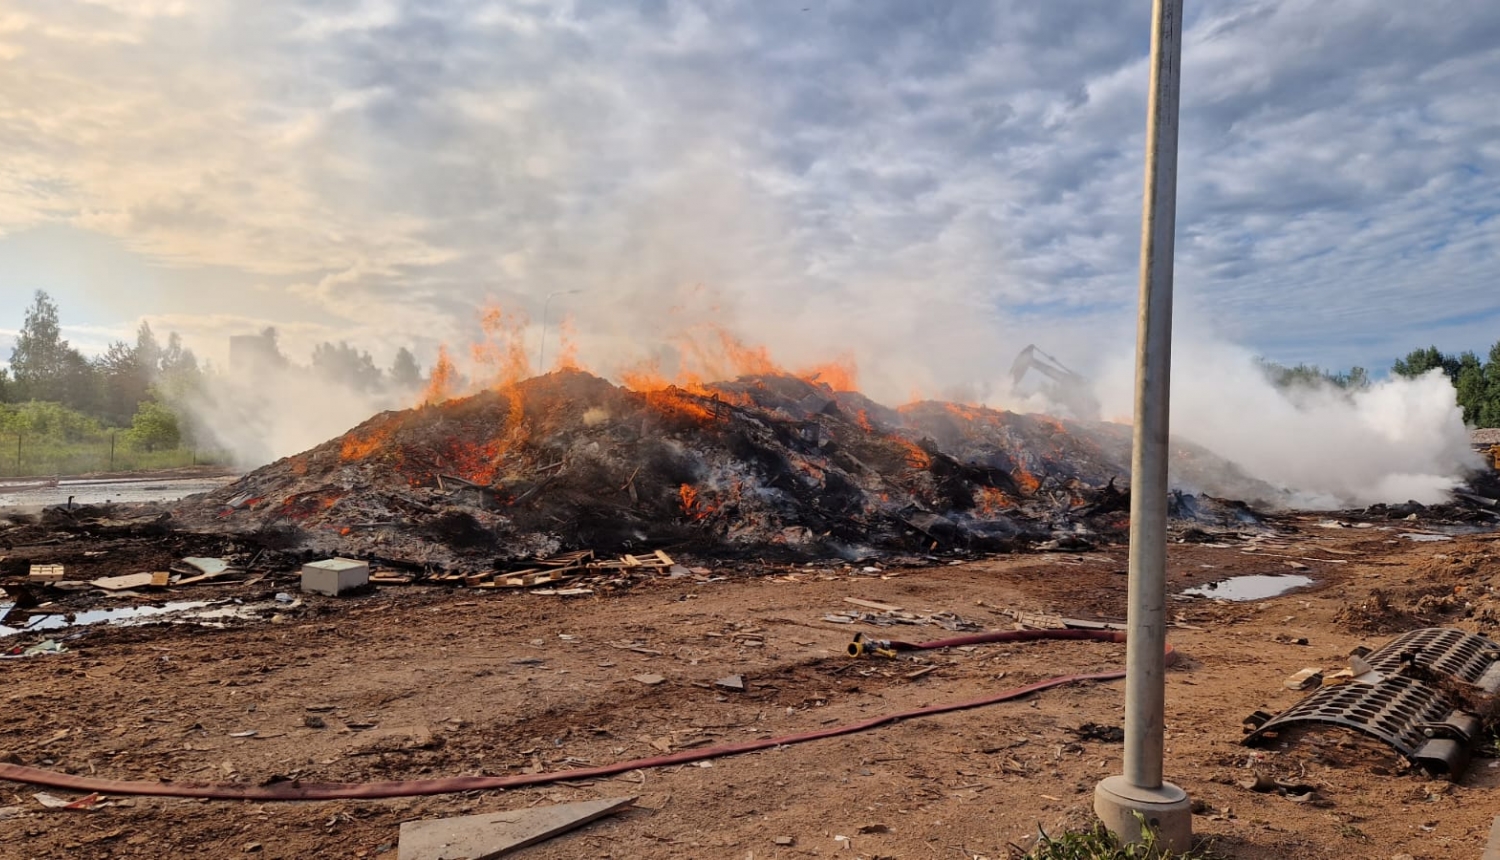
(481, 682)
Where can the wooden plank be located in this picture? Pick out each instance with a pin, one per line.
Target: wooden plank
(870, 604)
(496, 834)
(160, 579)
(567, 559)
(666, 560)
(120, 583)
(535, 578)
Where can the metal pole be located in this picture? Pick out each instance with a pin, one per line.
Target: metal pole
(1145, 681)
(541, 354)
(1142, 789)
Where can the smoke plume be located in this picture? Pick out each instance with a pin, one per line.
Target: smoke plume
(1400, 439)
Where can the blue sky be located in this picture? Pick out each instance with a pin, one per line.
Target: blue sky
(925, 186)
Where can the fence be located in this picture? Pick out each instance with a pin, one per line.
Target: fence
(34, 456)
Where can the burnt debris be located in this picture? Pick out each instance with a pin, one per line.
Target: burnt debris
(763, 464)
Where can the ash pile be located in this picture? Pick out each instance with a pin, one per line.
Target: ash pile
(766, 465)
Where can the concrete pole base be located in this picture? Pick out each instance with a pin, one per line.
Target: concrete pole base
(1166, 810)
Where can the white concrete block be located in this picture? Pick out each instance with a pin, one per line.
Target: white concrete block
(334, 576)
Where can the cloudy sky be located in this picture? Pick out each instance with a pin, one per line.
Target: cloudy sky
(924, 186)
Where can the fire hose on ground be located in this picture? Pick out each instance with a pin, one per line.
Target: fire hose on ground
(297, 790)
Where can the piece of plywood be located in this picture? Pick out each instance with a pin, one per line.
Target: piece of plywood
(496, 834)
(120, 583)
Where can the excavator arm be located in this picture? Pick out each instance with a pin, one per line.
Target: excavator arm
(1067, 389)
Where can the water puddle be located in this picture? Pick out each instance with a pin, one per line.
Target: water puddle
(1257, 586)
(1423, 537)
(92, 492)
(181, 611)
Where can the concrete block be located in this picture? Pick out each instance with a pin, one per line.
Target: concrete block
(334, 576)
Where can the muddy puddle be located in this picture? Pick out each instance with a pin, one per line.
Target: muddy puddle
(1252, 587)
(209, 613)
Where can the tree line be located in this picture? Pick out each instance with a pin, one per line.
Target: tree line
(1476, 382)
(51, 391)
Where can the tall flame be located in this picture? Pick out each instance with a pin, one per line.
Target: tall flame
(567, 353)
(700, 356)
(711, 353)
(440, 386)
(501, 357)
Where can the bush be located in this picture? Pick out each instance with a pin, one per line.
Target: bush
(153, 427)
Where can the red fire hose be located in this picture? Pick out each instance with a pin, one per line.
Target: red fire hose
(295, 790)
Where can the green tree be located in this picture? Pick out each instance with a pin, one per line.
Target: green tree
(52, 422)
(1313, 376)
(39, 359)
(119, 376)
(1471, 386)
(405, 374)
(153, 427)
(127, 373)
(1357, 379)
(1489, 408)
(177, 360)
(346, 365)
(79, 387)
(1419, 361)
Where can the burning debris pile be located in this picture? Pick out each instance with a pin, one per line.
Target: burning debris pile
(764, 463)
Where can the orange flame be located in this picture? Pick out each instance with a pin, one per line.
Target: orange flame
(841, 374)
(676, 400)
(502, 355)
(567, 356)
(1028, 482)
(693, 504)
(360, 447)
(992, 501)
(915, 457)
(712, 353)
(444, 377)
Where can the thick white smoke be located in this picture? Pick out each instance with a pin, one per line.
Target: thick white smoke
(282, 410)
(1398, 440)
(665, 277)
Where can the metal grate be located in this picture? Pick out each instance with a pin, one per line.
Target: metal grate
(1414, 715)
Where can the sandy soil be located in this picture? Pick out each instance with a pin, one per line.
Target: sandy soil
(414, 682)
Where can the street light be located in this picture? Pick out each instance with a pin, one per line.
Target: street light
(1140, 795)
(541, 353)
